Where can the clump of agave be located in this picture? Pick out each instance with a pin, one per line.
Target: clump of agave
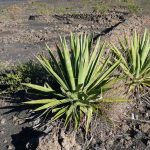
(82, 77)
(136, 62)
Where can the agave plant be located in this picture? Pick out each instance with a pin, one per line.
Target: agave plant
(135, 63)
(82, 77)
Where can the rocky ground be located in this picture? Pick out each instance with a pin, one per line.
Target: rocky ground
(132, 132)
(23, 38)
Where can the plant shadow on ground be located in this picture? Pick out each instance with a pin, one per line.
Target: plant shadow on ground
(21, 139)
(14, 94)
(11, 84)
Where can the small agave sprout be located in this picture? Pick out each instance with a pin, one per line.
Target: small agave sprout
(135, 63)
(82, 77)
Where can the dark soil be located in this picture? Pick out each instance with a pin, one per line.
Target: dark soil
(23, 37)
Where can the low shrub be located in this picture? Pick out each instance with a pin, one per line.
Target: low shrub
(12, 77)
(134, 53)
(82, 77)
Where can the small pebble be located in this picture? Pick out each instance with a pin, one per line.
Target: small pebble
(9, 147)
(137, 117)
(20, 121)
(147, 115)
(128, 137)
(138, 135)
(3, 121)
(125, 127)
(110, 142)
(132, 116)
(148, 142)
(134, 147)
(15, 118)
(5, 141)
(1, 132)
(145, 127)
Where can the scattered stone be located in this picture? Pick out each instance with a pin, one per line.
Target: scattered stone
(125, 127)
(139, 135)
(48, 129)
(145, 127)
(79, 26)
(9, 147)
(5, 141)
(147, 115)
(18, 122)
(3, 121)
(15, 118)
(128, 138)
(1, 132)
(148, 143)
(69, 142)
(110, 142)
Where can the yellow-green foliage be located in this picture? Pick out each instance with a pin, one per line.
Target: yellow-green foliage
(12, 77)
(132, 6)
(100, 8)
(82, 77)
(42, 8)
(136, 60)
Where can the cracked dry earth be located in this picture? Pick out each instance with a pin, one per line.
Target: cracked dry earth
(22, 39)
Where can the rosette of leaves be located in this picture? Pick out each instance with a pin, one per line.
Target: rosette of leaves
(134, 53)
(82, 77)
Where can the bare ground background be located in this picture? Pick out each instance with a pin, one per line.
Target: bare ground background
(24, 29)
